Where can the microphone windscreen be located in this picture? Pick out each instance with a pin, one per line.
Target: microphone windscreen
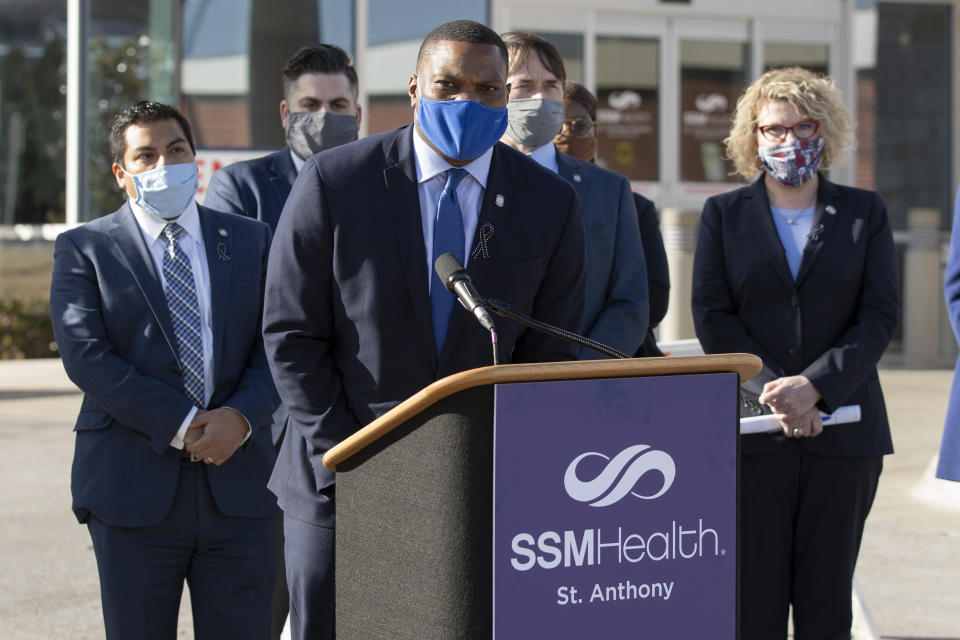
(445, 266)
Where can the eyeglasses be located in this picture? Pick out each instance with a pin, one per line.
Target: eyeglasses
(778, 132)
(580, 127)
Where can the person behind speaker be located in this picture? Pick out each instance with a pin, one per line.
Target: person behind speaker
(617, 305)
(800, 272)
(318, 111)
(578, 138)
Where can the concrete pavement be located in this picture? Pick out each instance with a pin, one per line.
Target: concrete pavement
(909, 571)
(49, 574)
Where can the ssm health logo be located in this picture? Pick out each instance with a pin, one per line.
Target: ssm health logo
(619, 477)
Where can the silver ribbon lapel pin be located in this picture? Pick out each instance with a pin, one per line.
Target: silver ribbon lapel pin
(484, 233)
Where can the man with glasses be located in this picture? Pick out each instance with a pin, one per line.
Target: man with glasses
(617, 308)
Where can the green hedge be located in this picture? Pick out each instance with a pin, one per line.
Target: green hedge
(25, 330)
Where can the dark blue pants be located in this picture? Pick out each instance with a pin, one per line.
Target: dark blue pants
(228, 563)
(801, 520)
(309, 554)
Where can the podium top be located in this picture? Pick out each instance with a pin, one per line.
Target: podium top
(743, 364)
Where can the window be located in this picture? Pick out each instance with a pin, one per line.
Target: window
(628, 92)
(33, 112)
(712, 76)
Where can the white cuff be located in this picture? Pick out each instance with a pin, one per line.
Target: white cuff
(177, 441)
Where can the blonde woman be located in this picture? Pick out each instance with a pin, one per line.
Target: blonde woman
(800, 272)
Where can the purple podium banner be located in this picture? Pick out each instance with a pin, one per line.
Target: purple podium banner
(615, 508)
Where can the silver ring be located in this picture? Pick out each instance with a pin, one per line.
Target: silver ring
(210, 460)
(798, 432)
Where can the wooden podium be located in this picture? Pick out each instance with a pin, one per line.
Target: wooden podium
(414, 554)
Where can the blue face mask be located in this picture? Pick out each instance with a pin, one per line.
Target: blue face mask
(460, 129)
(166, 191)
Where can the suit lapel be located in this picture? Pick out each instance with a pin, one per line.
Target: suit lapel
(492, 224)
(218, 246)
(761, 219)
(400, 178)
(568, 172)
(822, 227)
(133, 252)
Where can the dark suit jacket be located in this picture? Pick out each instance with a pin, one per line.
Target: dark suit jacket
(831, 325)
(254, 188)
(118, 345)
(617, 308)
(347, 321)
(658, 271)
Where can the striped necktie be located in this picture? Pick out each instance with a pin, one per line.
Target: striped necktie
(182, 301)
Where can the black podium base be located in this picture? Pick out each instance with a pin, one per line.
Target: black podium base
(414, 552)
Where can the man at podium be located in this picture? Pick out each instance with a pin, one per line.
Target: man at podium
(355, 320)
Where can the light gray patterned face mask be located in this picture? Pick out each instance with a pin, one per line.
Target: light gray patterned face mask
(310, 132)
(533, 122)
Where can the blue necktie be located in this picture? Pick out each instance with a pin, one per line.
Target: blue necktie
(185, 313)
(447, 238)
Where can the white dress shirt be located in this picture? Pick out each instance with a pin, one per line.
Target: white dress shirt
(432, 178)
(297, 162)
(191, 242)
(546, 156)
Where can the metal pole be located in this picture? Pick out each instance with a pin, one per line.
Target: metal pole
(78, 20)
(361, 13)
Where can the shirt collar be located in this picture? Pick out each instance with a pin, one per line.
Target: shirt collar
(431, 164)
(153, 225)
(546, 156)
(297, 162)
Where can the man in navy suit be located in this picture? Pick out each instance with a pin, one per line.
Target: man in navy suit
(319, 111)
(617, 307)
(355, 320)
(156, 309)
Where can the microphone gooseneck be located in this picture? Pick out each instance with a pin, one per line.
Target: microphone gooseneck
(457, 280)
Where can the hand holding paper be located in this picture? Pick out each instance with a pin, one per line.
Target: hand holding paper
(771, 423)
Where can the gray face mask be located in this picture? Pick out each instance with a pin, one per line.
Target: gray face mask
(310, 132)
(533, 122)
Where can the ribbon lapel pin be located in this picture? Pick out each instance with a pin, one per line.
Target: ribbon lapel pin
(481, 248)
(814, 234)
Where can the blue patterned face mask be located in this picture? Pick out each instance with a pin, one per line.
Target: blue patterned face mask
(793, 163)
(166, 191)
(460, 129)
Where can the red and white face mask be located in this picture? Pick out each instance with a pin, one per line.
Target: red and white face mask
(793, 163)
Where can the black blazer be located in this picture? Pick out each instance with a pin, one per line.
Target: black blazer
(832, 324)
(347, 323)
(658, 271)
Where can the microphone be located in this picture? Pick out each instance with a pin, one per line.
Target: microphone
(455, 278)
